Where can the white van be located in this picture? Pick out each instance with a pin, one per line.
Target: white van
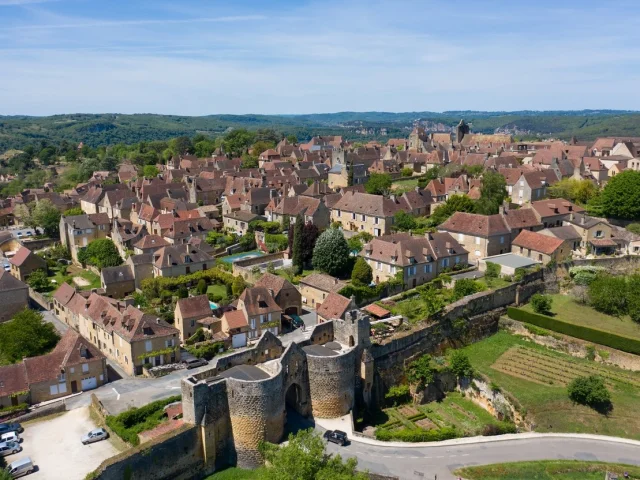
(10, 437)
(20, 468)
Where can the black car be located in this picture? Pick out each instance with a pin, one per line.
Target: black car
(10, 427)
(336, 436)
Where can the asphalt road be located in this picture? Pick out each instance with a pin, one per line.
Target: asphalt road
(427, 462)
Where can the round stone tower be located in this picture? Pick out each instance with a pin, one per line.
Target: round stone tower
(257, 412)
(331, 379)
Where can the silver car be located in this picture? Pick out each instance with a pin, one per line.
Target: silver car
(95, 436)
(8, 448)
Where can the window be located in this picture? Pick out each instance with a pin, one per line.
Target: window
(85, 367)
(376, 232)
(193, 323)
(477, 252)
(599, 234)
(353, 216)
(377, 219)
(338, 213)
(261, 318)
(148, 346)
(53, 389)
(253, 324)
(379, 266)
(73, 370)
(445, 262)
(364, 217)
(501, 240)
(457, 260)
(461, 237)
(477, 240)
(427, 269)
(269, 317)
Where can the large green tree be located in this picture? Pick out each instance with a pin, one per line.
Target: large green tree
(304, 458)
(47, 216)
(621, 196)
(378, 184)
(577, 191)
(331, 253)
(237, 142)
(26, 335)
(297, 244)
(362, 273)
(455, 203)
(492, 193)
(100, 253)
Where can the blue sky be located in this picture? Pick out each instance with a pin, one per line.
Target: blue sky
(274, 56)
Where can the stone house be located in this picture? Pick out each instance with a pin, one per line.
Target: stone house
(596, 235)
(78, 230)
(238, 222)
(541, 248)
(149, 244)
(567, 233)
(315, 288)
(204, 191)
(142, 267)
(73, 366)
(187, 312)
(335, 306)
(481, 235)
(362, 212)
(338, 175)
(118, 282)
(284, 293)
(182, 230)
(419, 258)
(552, 212)
(312, 209)
(25, 262)
(261, 311)
(532, 186)
(111, 202)
(179, 260)
(234, 324)
(14, 295)
(520, 219)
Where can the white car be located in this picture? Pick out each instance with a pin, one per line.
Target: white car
(10, 437)
(8, 448)
(95, 436)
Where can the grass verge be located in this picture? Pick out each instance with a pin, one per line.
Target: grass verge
(547, 470)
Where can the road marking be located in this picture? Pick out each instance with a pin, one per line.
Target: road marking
(116, 392)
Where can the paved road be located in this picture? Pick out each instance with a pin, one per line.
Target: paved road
(426, 462)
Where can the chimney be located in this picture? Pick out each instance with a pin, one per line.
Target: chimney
(271, 292)
(582, 220)
(74, 224)
(169, 258)
(571, 216)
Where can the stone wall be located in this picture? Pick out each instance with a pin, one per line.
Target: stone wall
(332, 384)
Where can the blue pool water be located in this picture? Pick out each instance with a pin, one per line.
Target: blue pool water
(213, 305)
(242, 256)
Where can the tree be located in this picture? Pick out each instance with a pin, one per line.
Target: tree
(590, 391)
(633, 297)
(261, 146)
(350, 174)
(433, 301)
(404, 222)
(621, 196)
(46, 215)
(492, 193)
(460, 364)
(38, 280)
(541, 303)
(455, 203)
(331, 253)
(26, 335)
(607, 294)
(72, 212)
(87, 167)
(297, 244)
(634, 228)
(310, 235)
(102, 253)
(304, 458)
(407, 172)
(23, 214)
(421, 372)
(181, 145)
(108, 163)
(47, 155)
(150, 171)
(292, 139)
(236, 142)
(362, 273)
(378, 184)
(202, 286)
(492, 270)
(204, 148)
(464, 287)
(578, 191)
(238, 286)
(249, 161)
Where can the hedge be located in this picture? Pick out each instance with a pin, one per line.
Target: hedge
(152, 287)
(417, 435)
(129, 424)
(612, 340)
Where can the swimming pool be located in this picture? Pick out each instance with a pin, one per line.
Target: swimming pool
(242, 256)
(213, 305)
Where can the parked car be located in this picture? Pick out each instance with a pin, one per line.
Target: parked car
(21, 467)
(19, 235)
(336, 436)
(195, 363)
(10, 427)
(95, 436)
(10, 437)
(9, 448)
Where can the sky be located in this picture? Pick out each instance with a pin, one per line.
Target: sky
(202, 57)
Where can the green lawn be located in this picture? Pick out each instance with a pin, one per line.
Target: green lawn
(566, 309)
(548, 403)
(65, 273)
(234, 473)
(401, 186)
(217, 289)
(547, 470)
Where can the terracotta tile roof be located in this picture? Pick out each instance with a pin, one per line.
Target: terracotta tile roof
(177, 255)
(377, 310)
(64, 293)
(13, 379)
(194, 306)
(334, 306)
(274, 283)
(402, 249)
(557, 206)
(258, 300)
(602, 242)
(566, 232)
(323, 282)
(477, 225)
(295, 205)
(151, 241)
(235, 319)
(521, 218)
(364, 203)
(99, 218)
(20, 257)
(9, 282)
(537, 242)
(113, 275)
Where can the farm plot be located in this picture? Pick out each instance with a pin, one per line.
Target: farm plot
(544, 368)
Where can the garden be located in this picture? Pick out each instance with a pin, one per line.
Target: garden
(546, 384)
(548, 470)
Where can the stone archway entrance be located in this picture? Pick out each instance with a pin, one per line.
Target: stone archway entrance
(294, 399)
(291, 310)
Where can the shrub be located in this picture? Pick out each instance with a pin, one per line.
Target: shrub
(460, 364)
(397, 395)
(362, 273)
(491, 429)
(612, 340)
(407, 172)
(541, 303)
(276, 242)
(238, 286)
(466, 286)
(202, 286)
(196, 337)
(416, 435)
(591, 352)
(585, 274)
(590, 391)
(421, 372)
(331, 252)
(493, 270)
(206, 351)
(607, 294)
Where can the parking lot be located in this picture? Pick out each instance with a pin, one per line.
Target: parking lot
(55, 448)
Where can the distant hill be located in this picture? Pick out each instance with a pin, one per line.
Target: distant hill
(108, 129)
